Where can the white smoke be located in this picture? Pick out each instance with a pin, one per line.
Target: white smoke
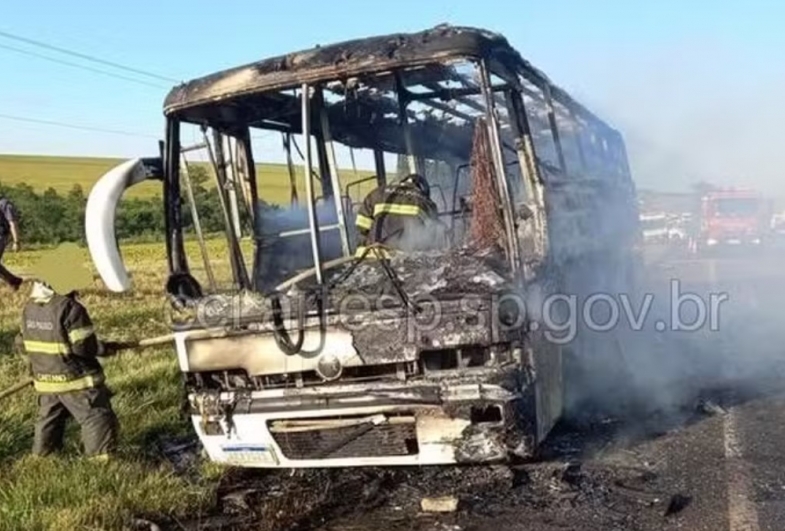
(692, 111)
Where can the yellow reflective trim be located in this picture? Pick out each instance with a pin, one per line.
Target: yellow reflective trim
(55, 378)
(392, 208)
(78, 384)
(46, 347)
(80, 334)
(364, 222)
(373, 254)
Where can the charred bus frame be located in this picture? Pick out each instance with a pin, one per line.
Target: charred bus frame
(422, 97)
(225, 102)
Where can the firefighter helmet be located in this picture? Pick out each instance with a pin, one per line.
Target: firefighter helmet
(420, 182)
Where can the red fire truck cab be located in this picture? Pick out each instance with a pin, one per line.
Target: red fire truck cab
(733, 217)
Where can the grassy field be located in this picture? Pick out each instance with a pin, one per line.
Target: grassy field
(67, 492)
(62, 173)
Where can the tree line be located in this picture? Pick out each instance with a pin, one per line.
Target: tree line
(49, 218)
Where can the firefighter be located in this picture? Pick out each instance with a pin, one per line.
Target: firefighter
(396, 216)
(8, 228)
(63, 353)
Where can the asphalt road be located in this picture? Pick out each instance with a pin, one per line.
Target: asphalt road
(747, 442)
(701, 449)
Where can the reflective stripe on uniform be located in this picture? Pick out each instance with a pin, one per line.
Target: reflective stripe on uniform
(47, 347)
(373, 253)
(392, 208)
(80, 334)
(364, 222)
(77, 384)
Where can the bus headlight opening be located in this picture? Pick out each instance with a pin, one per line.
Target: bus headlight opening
(329, 368)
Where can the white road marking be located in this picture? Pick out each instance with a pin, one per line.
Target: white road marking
(742, 514)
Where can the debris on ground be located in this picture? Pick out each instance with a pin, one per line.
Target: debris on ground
(711, 408)
(181, 453)
(623, 492)
(142, 524)
(677, 504)
(443, 504)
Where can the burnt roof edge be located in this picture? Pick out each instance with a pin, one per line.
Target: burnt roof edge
(441, 42)
(273, 73)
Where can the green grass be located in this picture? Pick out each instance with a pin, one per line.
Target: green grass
(62, 173)
(66, 492)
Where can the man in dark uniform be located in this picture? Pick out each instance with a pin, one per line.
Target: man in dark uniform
(8, 228)
(396, 216)
(63, 350)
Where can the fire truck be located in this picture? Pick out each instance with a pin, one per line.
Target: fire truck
(733, 216)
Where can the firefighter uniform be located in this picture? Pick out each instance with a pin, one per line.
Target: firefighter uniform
(63, 351)
(394, 215)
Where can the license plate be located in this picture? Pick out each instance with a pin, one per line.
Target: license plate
(249, 454)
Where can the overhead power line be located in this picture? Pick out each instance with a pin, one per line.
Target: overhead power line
(83, 67)
(74, 126)
(86, 57)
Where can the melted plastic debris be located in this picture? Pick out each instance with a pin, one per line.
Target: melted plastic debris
(420, 275)
(430, 273)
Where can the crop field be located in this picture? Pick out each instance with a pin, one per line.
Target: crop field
(67, 492)
(62, 173)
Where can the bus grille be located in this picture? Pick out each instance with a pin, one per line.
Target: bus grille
(396, 437)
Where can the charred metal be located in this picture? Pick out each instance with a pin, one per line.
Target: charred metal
(359, 57)
(315, 356)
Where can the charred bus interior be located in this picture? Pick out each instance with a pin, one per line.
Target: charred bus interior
(420, 119)
(321, 358)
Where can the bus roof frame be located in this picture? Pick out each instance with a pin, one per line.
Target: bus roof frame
(362, 56)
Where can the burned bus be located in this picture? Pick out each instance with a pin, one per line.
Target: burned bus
(312, 355)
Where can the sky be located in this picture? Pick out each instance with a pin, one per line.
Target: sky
(694, 87)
